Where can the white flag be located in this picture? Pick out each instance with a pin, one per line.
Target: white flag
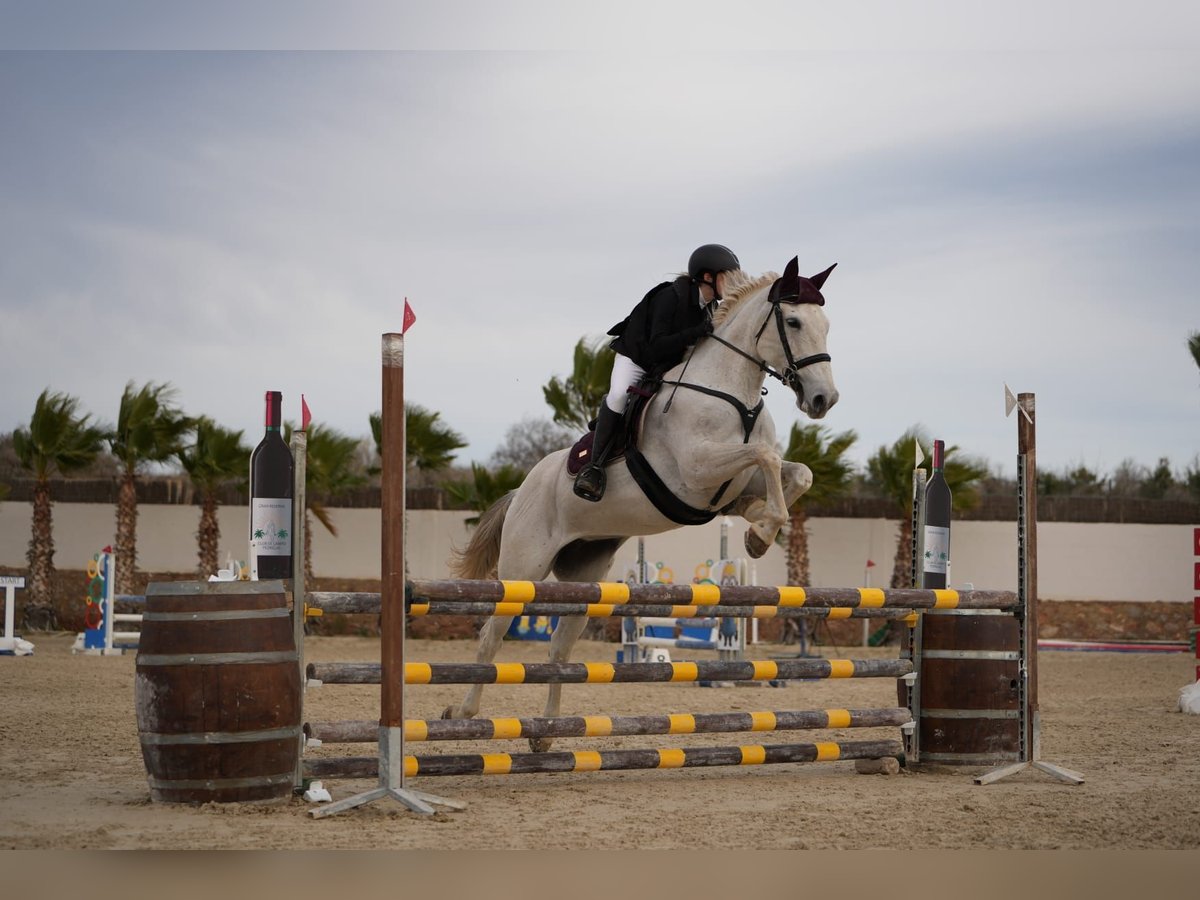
(1010, 401)
(918, 454)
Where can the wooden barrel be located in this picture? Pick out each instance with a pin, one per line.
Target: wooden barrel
(217, 692)
(970, 688)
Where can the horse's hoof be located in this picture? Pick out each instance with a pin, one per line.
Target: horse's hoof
(448, 713)
(755, 545)
(539, 745)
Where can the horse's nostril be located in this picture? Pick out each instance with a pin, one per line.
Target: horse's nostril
(818, 403)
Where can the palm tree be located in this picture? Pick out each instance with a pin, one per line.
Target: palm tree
(576, 399)
(429, 444)
(823, 452)
(58, 440)
(889, 471)
(331, 468)
(216, 458)
(1194, 346)
(150, 429)
(485, 487)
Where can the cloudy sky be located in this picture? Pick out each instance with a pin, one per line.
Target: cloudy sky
(186, 198)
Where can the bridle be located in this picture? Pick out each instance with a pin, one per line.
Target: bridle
(780, 294)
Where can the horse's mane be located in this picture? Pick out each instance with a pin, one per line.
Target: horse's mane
(739, 286)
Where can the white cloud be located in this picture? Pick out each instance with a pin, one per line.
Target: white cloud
(233, 223)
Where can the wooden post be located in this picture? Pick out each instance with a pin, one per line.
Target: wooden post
(1027, 594)
(1027, 449)
(299, 508)
(391, 705)
(391, 701)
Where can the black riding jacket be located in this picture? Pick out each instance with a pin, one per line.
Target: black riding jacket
(662, 326)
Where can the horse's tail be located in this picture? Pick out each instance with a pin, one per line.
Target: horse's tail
(482, 552)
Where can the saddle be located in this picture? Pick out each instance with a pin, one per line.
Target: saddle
(635, 408)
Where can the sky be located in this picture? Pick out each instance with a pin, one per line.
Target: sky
(233, 199)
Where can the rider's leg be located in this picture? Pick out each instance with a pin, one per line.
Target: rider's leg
(590, 482)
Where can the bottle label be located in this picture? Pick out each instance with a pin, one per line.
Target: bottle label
(271, 526)
(937, 548)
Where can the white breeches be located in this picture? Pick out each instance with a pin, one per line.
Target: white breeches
(625, 373)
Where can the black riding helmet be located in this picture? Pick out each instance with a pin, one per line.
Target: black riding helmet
(711, 258)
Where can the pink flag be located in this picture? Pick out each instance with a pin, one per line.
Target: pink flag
(409, 317)
(305, 415)
(870, 563)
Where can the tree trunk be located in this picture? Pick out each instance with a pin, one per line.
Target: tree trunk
(308, 570)
(901, 575)
(798, 569)
(798, 566)
(126, 562)
(902, 565)
(209, 535)
(39, 602)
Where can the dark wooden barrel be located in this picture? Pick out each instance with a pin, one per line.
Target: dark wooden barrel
(970, 688)
(217, 692)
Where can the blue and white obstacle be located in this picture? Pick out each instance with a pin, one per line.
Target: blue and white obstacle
(10, 643)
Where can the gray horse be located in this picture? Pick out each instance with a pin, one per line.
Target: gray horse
(706, 436)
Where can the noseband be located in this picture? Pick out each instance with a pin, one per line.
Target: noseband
(791, 375)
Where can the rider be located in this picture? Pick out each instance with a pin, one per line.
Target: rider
(652, 339)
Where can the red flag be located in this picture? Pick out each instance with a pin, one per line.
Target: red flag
(305, 415)
(870, 563)
(409, 317)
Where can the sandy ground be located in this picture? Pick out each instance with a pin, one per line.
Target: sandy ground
(73, 775)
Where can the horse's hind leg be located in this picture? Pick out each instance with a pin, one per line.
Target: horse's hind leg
(566, 633)
(579, 561)
(490, 636)
(521, 557)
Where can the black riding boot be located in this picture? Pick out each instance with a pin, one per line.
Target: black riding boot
(589, 483)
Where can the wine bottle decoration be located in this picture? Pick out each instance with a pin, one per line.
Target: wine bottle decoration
(271, 492)
(937, 523)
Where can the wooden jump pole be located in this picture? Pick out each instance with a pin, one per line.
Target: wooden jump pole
(352, 731)
(605, 673)
(390, 763)
(607, 760)
(675, 613)
(522, 597)
(452, 590)
(351, 604)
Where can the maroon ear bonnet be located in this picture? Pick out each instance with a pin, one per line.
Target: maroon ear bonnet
(792, 288)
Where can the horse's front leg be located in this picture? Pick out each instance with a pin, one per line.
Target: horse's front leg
(490, 637)
(714, 463)
(566, 633)
(797, 478)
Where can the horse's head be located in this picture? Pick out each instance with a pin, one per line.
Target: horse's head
(797, 347)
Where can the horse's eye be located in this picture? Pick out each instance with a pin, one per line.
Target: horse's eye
(793, 323)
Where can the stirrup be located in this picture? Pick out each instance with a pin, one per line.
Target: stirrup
(590, 483)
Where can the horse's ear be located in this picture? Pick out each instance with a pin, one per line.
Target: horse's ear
(819, 280)
(787, 287)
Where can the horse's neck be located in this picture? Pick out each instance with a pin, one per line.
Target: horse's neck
(716, 366)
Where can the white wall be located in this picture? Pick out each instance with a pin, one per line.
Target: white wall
(1077, 561)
